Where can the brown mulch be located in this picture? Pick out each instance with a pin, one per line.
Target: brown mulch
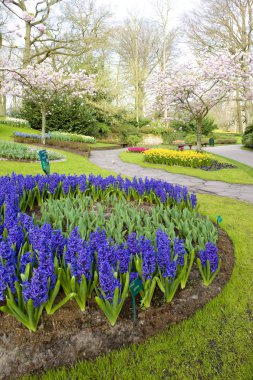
(70, 335)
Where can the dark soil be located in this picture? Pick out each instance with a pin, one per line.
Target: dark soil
(217, 166)
(71, 335)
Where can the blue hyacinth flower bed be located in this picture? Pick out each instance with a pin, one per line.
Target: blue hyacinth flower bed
(75, 251)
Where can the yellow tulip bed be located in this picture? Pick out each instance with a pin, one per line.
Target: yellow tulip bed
(188, 158)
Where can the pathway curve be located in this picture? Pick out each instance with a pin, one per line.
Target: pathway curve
(110, 160)
(234, 152)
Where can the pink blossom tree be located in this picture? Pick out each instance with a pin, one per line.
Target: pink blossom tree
(190, 91)
(42, 85)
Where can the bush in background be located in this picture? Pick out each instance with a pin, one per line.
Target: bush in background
(190, 128)
(68, 115)
(247, 138)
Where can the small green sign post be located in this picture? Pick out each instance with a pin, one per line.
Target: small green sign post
(135, 288)
(219, 219)
(44, 161)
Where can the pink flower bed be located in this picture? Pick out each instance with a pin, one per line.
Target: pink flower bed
(137, 149)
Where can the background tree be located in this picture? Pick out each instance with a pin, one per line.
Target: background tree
(42, 85)
(168, 34)
(138, 46)
(191, 91)
(32, 17)
(225, 25)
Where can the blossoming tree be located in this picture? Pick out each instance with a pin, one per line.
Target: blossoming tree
(41, 84)
(30, 18)
(190, 91)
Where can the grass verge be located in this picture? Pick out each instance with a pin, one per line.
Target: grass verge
(74, 164)
(215, 344)
(243, 174)
(6, 132)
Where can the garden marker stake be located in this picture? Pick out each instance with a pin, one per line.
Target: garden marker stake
(135, 288)
(44, 161)
(219, 219)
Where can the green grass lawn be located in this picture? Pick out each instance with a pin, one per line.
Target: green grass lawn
(6, 132)
(215, 344)
(74, 164)
(242, 174)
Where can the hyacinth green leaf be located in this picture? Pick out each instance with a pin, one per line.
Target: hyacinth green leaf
(106, 310)
(30, 311)
(62, 302)
(160, 284)
(187, 268)
(52, 296)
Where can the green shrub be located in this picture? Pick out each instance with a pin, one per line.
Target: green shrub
(192, 139)
(247, 139)
(12, 150)
(133, 140)
(168, 136)
(63, 114)
(208, 125)
(155, 130)
(228, 140)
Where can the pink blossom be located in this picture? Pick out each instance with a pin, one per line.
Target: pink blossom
(28, 17)
(42, 28)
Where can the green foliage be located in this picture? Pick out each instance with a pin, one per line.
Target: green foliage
(22, 152)
(124, 218)
(133, 140)
(168, 136)
(218, 139)
(112, 309)
(228, 140)
(247, 139)
(208, 125)
(126, 132)
(68, 115)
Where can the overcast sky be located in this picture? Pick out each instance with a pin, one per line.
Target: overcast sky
(144, 7)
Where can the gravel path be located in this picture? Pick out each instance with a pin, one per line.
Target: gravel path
(110, 160)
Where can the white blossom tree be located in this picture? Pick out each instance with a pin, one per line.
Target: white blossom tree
(190, 91)
(42, 85)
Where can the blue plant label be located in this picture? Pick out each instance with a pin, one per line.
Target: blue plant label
(219, 219)
(44, 161)
(135, 287)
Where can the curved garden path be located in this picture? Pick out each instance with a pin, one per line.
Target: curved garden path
(234, 152)
(110, 160)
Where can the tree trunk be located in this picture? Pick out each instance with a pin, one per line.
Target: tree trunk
(199, 135)
(137, 103)
(2, 113)
(239, 112)
(27, 51)
(141, 100)
(43, 130)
